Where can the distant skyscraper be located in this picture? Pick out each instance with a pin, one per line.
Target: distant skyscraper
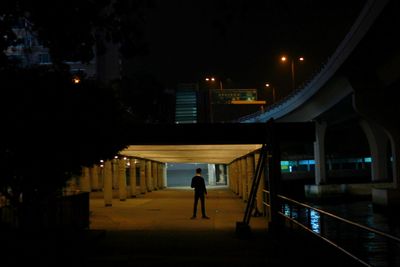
(186, 102)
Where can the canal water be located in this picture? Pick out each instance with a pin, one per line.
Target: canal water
(370, 247)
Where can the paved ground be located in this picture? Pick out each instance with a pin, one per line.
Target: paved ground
(155, 230)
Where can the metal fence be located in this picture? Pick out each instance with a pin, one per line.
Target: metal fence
(366, 245)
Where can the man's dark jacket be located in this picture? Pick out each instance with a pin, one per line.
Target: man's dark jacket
(199, 185)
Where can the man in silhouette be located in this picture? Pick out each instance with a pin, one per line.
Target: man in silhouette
(200, 192)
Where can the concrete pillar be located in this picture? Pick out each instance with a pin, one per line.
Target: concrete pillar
(132, 177)
(232, 177)
(143, 176)
(94, 178)
(236, 176)
(377, 140)
(85, 180)
(395, 145)
(243, 175)
(160, 175)
(221, 179)
(390, 197)
(211, 174)
(226, 175)
(240, 178)
(149, 176)
(164, 174)
(108, 183)
(122, 180)
(101, 175)
(115, 173)
(154, 172)
(229, 176)
(319, 153)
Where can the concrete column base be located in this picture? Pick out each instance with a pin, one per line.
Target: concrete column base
(385, 198)
(322, 191)
(348, 190)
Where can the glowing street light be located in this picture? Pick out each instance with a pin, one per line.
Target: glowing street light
(212, 79)
(76, 80)
(268, 85)
(292, 61)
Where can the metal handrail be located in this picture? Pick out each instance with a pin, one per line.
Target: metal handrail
(391, 237)
(394, 238)
(326, 240)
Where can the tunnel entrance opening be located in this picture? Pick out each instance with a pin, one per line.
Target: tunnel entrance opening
(182, 160)
(180, 174)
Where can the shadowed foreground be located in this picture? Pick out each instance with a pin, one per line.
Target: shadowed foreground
(155, 230)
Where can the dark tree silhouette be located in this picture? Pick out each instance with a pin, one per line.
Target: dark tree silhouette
(51, 127)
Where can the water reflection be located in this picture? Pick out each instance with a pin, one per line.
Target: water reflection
(375, 249)
(368, 246)
(315, 221)
(286, 210)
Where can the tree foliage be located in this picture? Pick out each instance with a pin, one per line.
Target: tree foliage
(71, 28)
(51, 127)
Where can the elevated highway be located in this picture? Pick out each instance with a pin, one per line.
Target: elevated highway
(353, 102)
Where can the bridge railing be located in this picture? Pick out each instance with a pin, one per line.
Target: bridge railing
(366, 245)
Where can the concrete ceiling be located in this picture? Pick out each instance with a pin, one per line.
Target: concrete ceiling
(222, 154)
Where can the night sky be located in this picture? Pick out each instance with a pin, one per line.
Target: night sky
(241, 42)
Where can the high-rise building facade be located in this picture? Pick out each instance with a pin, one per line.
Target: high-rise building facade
(186, 103)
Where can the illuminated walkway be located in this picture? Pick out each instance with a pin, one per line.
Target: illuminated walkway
(155, 230)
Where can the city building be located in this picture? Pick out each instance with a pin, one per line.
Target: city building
(29, 51)
(197, 104)
(186, 103)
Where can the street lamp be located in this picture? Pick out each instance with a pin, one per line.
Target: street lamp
(268, 85)
(212, 79)
(292, 61)
(76, 79)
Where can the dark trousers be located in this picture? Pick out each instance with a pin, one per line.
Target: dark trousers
(202, 202)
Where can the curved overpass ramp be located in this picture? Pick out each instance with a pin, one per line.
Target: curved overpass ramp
(356, 90)
(328, 88)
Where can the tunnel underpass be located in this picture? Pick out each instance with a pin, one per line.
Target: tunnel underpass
(153, 226)
(182, 160)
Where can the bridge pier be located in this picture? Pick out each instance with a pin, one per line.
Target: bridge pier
(377, 140)
(382, 114)
(389, 198)
(319, 153)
